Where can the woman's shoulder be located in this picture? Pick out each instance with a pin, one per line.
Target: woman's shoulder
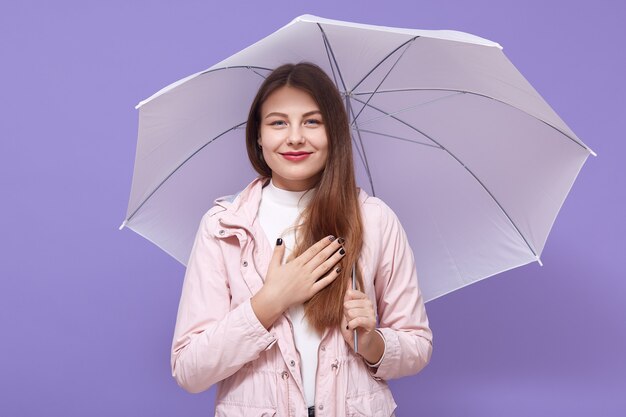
(373, 208)
(249, 195)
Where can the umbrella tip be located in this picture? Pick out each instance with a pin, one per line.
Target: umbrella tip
(539, 260)
(592, 152)
(122, 225)
(306, 16)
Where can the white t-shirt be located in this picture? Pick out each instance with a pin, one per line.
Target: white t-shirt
(278, 212)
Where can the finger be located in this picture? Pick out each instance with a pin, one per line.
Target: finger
(358, 304)
(361, 322)
(352, 294)
(353, 313)
(279, 253)
(359, 309)
(348, 335)
(326, 254)
(308, 254)
(327, 279)
(327, 264)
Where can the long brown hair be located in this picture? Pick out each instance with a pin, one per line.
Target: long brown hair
(334, 209)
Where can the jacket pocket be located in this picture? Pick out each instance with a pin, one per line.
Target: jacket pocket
(248, 392)
(378, 403)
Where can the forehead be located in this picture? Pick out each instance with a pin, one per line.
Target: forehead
(288, 99)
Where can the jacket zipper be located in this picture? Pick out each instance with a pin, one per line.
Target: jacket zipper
(284, 374)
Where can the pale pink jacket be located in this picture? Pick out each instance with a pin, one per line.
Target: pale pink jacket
(218, 338)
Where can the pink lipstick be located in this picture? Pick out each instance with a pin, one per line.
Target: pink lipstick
(296, 156)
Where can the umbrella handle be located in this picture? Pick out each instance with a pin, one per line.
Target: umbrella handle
(356, 345)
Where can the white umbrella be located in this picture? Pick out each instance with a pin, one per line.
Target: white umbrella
(445, 130)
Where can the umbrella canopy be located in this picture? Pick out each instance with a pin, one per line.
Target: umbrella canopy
(445, 130)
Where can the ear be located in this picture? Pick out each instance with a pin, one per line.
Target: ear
(258, 142)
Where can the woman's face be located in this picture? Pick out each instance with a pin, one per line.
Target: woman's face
(293, 139)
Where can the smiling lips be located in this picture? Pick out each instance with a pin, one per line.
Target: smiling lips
(296, 156)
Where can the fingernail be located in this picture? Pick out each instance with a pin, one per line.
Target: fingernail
(341, 240)
(347, 327)
(338, 270)
(279, 242)
(342, 251)
(331, 238)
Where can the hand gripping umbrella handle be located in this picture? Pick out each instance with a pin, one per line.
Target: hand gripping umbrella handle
(356, 345)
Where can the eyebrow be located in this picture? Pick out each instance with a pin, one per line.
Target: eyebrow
(309, 113)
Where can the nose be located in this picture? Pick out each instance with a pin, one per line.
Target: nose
(295, 136)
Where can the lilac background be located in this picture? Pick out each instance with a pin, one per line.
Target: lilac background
(87, 311)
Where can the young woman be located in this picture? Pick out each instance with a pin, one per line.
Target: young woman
(267, 309)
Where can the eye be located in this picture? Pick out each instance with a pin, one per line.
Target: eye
(276, 122)
(314, 121)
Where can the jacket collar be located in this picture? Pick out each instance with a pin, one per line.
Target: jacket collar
(241, 209)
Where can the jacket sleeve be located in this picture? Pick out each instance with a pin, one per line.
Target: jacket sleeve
(211, 341)
(401, 312)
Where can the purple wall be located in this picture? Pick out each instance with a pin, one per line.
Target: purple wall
(87, 311)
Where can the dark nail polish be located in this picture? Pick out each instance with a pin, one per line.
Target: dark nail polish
(341, 240)
(347, 327)
(342, 251)
(331, 238)
(338, 270)
(279, 242)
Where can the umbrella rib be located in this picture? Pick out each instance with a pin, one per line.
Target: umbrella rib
(384, 78)
(383, 60)
(330, 62)
(468, 170)
(358, 151)
(488, 97)
(332, 59)
(392, 115)
(178, 167)
(408, 108)
(236, 67)
(332, 54)
(364, 157)
(397, 137)
(189, 78)
(256, 72)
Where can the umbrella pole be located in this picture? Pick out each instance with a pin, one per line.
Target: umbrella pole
(356, 346)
